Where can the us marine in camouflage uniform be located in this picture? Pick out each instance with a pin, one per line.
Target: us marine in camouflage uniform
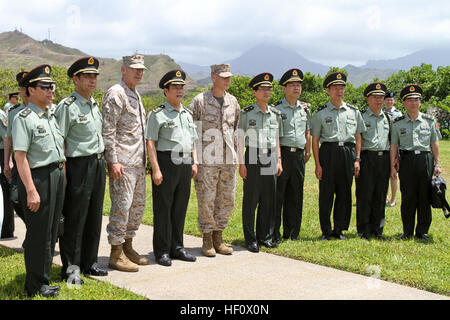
(123, 135)
(218, 112)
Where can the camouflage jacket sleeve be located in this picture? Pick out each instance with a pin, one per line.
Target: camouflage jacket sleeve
(112, 109)
(196, 107)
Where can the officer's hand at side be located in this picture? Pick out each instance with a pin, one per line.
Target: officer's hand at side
(393, 173)
(279, 169)
(318, 172)
(243, 171)
(437, 171)
(33, 200)
(115, 170)
(157, 177)
(7, 172)
(357, 168)
(194, 170)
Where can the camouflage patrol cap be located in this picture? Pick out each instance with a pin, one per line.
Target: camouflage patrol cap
(222, 70)
(136, 61)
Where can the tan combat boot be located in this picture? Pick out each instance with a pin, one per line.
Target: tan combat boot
(219, 245)
(133, 255)
(119, 261)
(207, 248)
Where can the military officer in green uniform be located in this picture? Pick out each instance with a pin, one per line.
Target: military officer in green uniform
(39, 152)
(338, 127)
(170, 139)
(373, 180)
(415, 137)
(80, 122)
(7, 225)
(295, 145)
(260, 128)
(13, 100)
(11, 171)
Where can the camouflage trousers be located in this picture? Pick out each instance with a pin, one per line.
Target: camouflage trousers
(215, 187)
(127, 205)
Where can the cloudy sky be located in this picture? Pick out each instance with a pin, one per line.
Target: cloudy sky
(206, 32)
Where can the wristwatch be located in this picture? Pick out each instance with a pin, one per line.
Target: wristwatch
(358, 159)
(307, 154)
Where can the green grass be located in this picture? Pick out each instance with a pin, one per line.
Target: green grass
(12, 282)
(423, 265)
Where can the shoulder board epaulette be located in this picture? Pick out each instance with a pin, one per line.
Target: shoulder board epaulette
(352, 106)
(188, 110)
(322, 107)
(161, 107)
(364, 111)
(399, 118)
(249, 108)
(275, 110)
(278, 103)
(70, 100)
(14, 106)
(427, 116)
(25, 112)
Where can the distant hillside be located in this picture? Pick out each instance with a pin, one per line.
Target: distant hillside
(358, 76)
(19, 51)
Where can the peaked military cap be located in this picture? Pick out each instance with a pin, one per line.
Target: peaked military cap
(175, 76)
(84, 65)
(376, 89)
(292, 75)
(20, 76)
(335, 78)
(389, 94)
(40, 73)
(13, 94)
(263, 79)
(411, 91)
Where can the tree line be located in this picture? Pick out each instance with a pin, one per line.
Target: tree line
(435, 84)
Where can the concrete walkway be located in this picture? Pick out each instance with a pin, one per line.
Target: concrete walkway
(241, 276)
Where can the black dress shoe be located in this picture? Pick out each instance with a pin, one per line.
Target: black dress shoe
(420, 236)
(164, 260)
(364, 236)
(48, 293)
(184, 256)
(268, 244)
(326, 237)
(276, 240)
(339, 236)
(54, 288)
(73, 279)
(405, 237)
(95, 271)
(379, 236)
(253, 247)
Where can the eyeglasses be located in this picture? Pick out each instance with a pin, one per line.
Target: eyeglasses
(46, 87)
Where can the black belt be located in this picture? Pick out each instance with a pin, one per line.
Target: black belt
(290, 149)
(412, 152)
(53, 165)
(183, 155)
(378, 153)
(267, 151)
(340, 144)
(97, 156)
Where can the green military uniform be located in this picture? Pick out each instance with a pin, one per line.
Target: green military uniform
(416, 165)
(336, 128)
(296, 121)
(174, 133)
(7, 227)
(373, 180)
(80, 121)
(37, 133)
(261, 129)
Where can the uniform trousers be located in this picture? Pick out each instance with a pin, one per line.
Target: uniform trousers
(415, 176)
(371, 188)
(42, 226)
(170, 201)
(7, 229)
(215, 187)
(127, 205)
(338, 166)
(83, 208)
(290, 194)
(259, 193)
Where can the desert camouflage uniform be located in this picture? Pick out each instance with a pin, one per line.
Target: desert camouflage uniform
(123, 135)
(216, 179)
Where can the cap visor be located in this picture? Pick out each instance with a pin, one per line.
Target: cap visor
(225, 74)
(137, 66)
